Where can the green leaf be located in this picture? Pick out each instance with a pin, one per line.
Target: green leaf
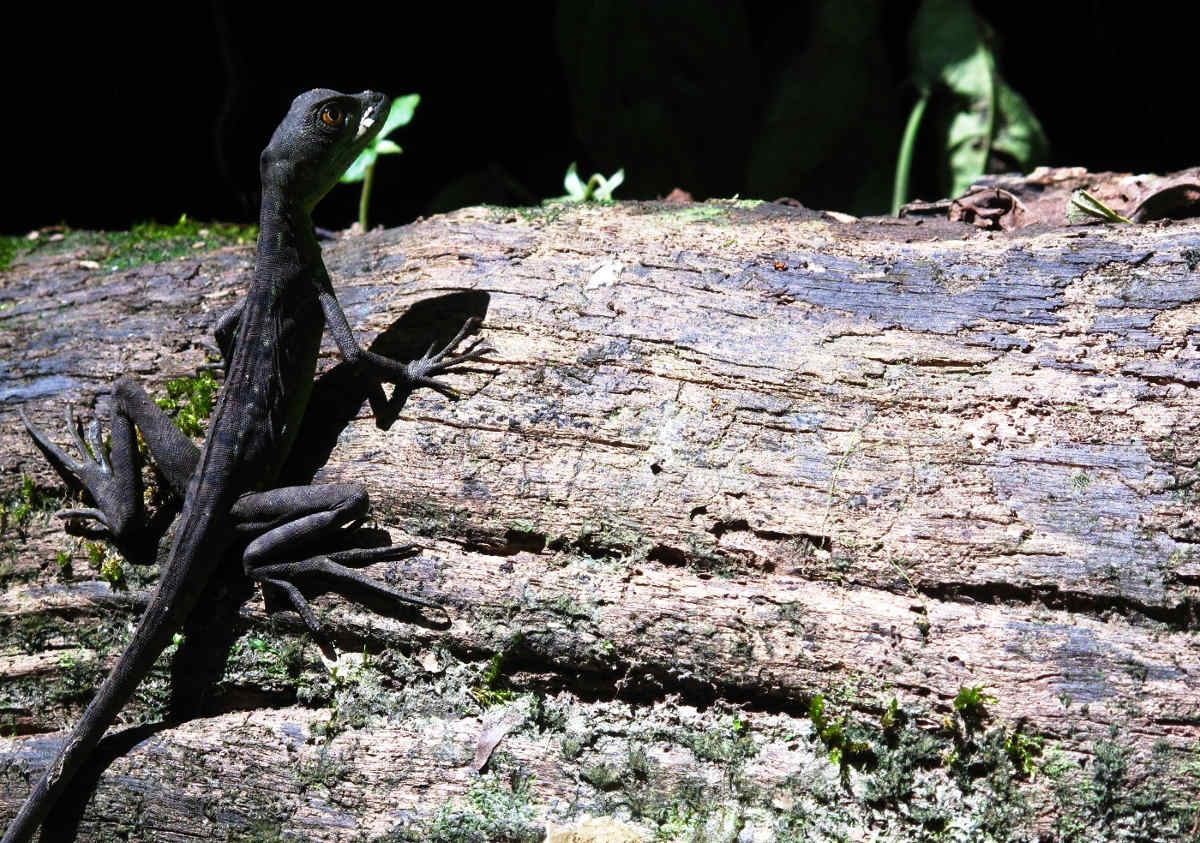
(604, 191)
(574, 186)
(401, 114)
(597, 187)
(944, 34)
(1019, 134)
(972, 76)
(982, 118)
(908, 149)
(358, 170)
(966, 149)
(1085, 206)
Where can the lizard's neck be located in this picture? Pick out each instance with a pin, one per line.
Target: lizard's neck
(286, 242)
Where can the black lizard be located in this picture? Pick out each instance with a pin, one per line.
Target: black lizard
(270, 342)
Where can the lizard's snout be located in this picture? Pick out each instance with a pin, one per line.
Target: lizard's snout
(374, 108)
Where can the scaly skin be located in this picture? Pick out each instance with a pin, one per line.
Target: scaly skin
(231, 492)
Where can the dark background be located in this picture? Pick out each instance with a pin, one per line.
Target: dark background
(118, 117)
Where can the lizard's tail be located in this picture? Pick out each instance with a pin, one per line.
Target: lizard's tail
(151, 637)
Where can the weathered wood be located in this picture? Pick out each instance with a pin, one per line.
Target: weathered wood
(730, 453)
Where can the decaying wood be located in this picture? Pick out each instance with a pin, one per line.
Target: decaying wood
(728, 457)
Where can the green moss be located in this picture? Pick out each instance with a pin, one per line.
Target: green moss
(546, 716)
(85, 644)
(699, 213)
(270, 660)
(605, 536)
(491, 810)
(601, 776)
(571, 747)
(1022, 750)
(971, 703)
(149, 242)
(675, 825)
(189, 402)
(678, 812)
(546, 213)
(573, 609)
(892, 718)
(486, 691)
(728, 743)
(110, 564)
(145, 242)
(1104, 800)
(640, 764)
(844, 741)
(29, 632)
(112, 571)
(326, 770)
(705, 556)
(422, 517)
(905, 753)
(262, 831)
(18, 510)
(10, 247)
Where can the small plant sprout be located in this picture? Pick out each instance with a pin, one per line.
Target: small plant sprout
(972, 699)
(363, 168)
(1084, 207)
(597, 188)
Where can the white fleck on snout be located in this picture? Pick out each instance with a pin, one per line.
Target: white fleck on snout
(367, 121)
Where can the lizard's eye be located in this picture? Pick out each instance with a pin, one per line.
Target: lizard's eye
(332, 116)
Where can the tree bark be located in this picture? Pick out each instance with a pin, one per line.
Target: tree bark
(727, 459)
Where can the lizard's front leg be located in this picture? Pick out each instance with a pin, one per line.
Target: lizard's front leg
(114, 481)
(286, 522)
(406, 375)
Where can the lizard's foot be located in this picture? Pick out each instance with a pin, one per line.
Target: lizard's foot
(327, 567)
(93, 474)
(424, 371)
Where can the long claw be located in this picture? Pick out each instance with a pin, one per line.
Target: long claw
(444, 388)
(475, 351)
(93, 438)
(424, 370)
(302, 606)
(105, 530)
(375, 554)
(73, 429)
(468, 326)
(89, 474)
(62, 462)
(326, 567)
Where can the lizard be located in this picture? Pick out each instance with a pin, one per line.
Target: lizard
(270, 341)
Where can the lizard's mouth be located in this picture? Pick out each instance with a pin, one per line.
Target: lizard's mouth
(372, 114)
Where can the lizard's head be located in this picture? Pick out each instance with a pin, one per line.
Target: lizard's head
(322, 134)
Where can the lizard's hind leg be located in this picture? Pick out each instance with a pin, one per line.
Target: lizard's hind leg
(114, 480)
(288, 521)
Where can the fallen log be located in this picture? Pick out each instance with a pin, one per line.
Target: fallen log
(762, 523)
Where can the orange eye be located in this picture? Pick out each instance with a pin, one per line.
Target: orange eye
(332, 116)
